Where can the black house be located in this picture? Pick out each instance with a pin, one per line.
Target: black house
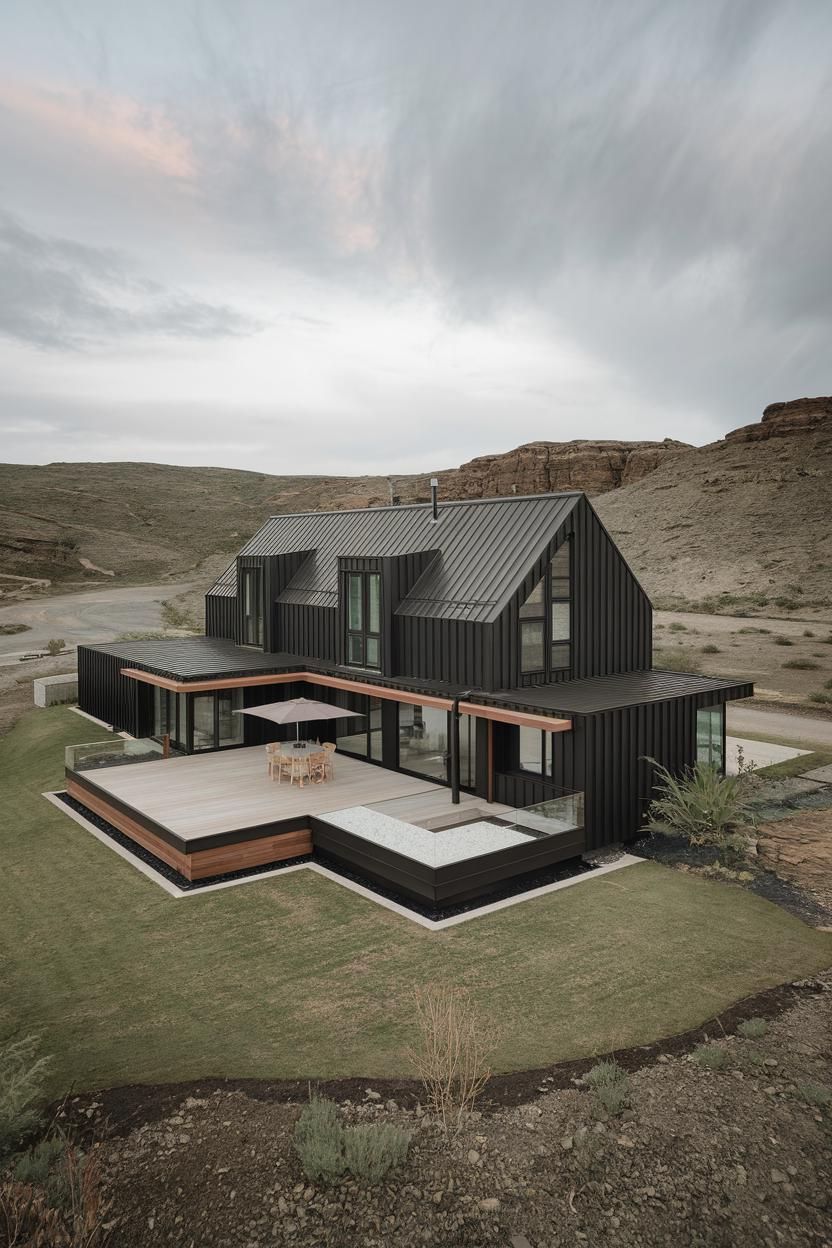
(501, 647)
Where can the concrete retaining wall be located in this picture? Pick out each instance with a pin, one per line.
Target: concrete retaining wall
(53, 690)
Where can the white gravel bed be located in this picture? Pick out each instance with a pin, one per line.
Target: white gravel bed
(434, 849)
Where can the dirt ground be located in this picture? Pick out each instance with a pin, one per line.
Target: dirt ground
(735, 1157)
(748, 649)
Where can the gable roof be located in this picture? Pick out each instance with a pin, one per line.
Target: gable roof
(484, 549)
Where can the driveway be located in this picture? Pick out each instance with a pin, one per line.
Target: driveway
(800, 730)
(92, 615)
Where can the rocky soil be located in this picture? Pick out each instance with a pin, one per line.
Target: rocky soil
(730, 1158)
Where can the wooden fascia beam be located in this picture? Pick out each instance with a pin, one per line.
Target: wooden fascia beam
(501, 715)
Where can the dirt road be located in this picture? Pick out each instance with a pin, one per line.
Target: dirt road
(799, 730)
(93, 615)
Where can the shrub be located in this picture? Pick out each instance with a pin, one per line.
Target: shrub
(319, 1140)
(820, 696)
(678, 660)
(786, 604)
(780, 640)
(750, 629)
(807, 632)
(710, 648)
(27, 1217)
(710, 1057)
(41, 1167)
(827, 684)
(827, 640)
(372, 1149)
(55, 645)
(610, 1085)
(814, 1094)
(801, 665)
(753, 1028)
(22, 1076)
(453, 1059)
(676, 627)
(702, 806)
(327, 1149)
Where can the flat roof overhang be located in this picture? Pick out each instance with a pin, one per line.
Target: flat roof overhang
(501, 715)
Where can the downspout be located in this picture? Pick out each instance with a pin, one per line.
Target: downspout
(453, 757)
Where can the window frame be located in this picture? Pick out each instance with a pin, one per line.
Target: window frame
(248, 576)
(541, 614)
(360, 642)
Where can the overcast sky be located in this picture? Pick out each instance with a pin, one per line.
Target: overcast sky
(388, 235)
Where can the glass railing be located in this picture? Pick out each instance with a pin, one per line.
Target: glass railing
(561, 813)
(113, 753)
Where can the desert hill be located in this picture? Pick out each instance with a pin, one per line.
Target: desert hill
(749, 514)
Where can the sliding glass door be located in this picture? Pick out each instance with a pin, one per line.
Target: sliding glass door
(213, 723)
(423, 741)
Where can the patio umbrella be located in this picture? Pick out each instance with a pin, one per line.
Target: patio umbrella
(297, 711)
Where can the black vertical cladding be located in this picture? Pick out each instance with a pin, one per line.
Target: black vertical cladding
(619, 748)
(611, 622)
(221, 616)
(307, 631)
(118, 700)
(277, 571)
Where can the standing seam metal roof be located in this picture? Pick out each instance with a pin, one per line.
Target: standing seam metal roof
(485, 546)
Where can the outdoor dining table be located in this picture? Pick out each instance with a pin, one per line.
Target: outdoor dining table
(304, 750)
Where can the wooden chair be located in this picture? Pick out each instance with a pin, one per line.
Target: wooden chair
(329, 760)
(272, 758)
(317, 767)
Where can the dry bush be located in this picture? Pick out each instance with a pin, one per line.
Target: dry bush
(453, 1060)
(29, 1220)
(23, 1072)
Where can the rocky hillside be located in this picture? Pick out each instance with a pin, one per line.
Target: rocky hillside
(539, 467)
(748, 515)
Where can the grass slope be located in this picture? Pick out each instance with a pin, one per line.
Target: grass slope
(297, 976)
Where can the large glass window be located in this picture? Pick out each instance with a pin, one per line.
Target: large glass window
(710, 736)
(423, 740)
(363, 609)
(203, 704)
(229, 725)
(213, 722)
(535, 752)
(361, 736)
(547, 612)
(468, 751)
(251, 590)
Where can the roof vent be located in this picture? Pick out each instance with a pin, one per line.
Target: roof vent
(434, 497)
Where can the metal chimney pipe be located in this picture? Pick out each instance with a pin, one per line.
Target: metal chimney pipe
(434, 496)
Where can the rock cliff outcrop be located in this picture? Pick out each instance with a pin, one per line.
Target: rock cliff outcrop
(539, 467)
(781, 420)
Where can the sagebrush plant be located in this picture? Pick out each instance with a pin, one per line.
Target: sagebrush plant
(814, 1094)
(319, 1140)
(23, 1071)
(453, 1060)
(710, 1056)
(327, 1149)
(702, 806)
(55, 645)
(753, 1028)
(610, 1085)
(679, 659)
(370, 1150)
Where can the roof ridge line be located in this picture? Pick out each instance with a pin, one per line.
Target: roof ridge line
(449, 502)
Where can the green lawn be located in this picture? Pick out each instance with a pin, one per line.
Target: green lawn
(297, 976)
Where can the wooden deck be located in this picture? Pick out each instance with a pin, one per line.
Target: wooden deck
(210, 794)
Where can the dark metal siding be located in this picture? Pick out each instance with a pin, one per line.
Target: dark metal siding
(309, 631)
(618, 747)
(117, 700)
(221, 617)
(612, 619)
(484, 545)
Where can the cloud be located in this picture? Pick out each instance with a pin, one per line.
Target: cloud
(62, 295)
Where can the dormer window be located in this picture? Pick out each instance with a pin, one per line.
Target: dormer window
(363, 609)
(545, 620)
(251, 593)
